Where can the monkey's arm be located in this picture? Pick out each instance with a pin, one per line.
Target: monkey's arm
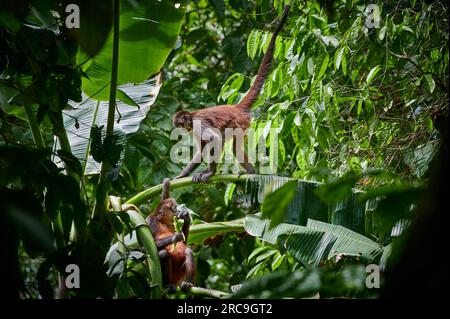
(184, 215)
(163, 242)
(192, 165)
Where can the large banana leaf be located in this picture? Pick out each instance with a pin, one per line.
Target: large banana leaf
(79, 120)
(348, 242)
(315, 242)
(148, 31)
(258, 227)
(349, 212)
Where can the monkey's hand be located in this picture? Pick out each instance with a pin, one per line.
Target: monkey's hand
(185, 286)
(202, 177)
(178, 237)
(183, 214)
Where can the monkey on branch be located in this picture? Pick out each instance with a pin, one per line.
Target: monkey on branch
(214, 120)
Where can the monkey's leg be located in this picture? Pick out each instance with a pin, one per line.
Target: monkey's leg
(166, 267)
(163, 242)
(196, 160)
(241, 156)
(190, 270)
(212, 140)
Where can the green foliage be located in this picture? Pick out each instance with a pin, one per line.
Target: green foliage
(147, 34)
(357, 107)
(276, 203)
(316, 242)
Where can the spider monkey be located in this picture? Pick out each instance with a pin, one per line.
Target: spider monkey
(215, 119)
(177, 262)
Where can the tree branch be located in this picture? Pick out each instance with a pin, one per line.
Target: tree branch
(143, 196)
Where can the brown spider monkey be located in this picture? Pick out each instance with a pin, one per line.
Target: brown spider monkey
(217, 118)
(177, 263)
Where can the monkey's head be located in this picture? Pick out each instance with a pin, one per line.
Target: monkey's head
(183, 119)
(166, 209)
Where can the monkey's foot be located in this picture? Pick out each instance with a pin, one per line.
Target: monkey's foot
(240, 173)
(202, 177)
(185, 286)
(163, 254)
(178, 237)
(171, 288)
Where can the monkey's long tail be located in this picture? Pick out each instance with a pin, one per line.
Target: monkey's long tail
(166, 188)
(264, 68)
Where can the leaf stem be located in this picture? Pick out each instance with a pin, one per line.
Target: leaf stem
(103, 183)
(148, 243)
(35, 131)
(199, 291)
(143, 196)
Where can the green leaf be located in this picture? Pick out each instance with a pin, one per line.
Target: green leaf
(338, 58)
(430, 82)
(148, 31)
(122, 96)
(310, 247)
(372, 73)
(257, 251)
(344, 63)
(229, 193)
(95, 24)
(254, 270)
(277, 261)
(260, 228)
(253, 43)
(324, 66)
(276, 204)
(266, 255)
(382, 33)
(348, 242)
(310, 65)
(337, 190)
(89, 113)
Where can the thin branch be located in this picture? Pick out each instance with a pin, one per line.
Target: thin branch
(103, 183)
(199, 291)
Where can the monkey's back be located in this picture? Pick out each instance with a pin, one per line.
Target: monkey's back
(223, 116)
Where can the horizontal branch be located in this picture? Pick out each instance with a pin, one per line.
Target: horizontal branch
(143, 196)
(199, 291)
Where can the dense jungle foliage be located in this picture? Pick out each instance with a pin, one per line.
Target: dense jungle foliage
(353, 113)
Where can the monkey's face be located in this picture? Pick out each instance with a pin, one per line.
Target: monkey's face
(167, 209)
(183, 119)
